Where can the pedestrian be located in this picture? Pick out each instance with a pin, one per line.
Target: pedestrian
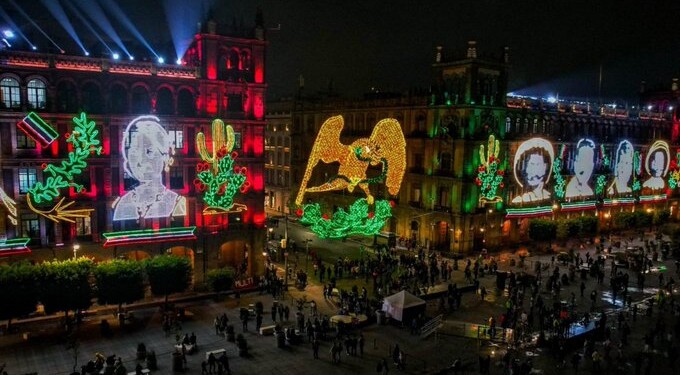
(575, 360)
(217, 325)
(583, 288)
(361, 344)
(212, 362)
(224, 361)
(204, 368)
(315, 348)
(596, 360)
(274, 313)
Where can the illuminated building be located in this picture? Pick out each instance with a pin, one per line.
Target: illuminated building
(443, 201)
(142, 187)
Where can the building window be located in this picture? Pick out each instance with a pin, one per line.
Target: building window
(237, 141)
(446, 161)
(415, 193)
(37, 94)
(30, 226)
(83, 227)
(24, 141)
(27, 177)
(9, 93)
(177, 138)
(176, 178)
(444, 197)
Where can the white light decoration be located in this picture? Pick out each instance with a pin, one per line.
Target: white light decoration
(147, 151)
(532, 167)
(657, 163)
(623, 169)
(584, 164)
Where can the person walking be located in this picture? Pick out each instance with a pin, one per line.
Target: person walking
(315, 348)
(361, 344)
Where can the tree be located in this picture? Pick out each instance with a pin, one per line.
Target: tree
(65, 285)
(562, 231)
(18, 290)
(542, 230)
(119, 281)
(222, 279)
(168, 274)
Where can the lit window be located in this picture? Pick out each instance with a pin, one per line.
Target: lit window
(237, 140)
(9, 93)
(37, 94)
(83, 227)
(30, 226)
(177, 138)
(27, 177)
(24, 141)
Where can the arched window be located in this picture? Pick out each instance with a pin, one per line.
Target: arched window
(446, 161)
(185, 103)
(233, 62)
(222, 68)
(67, 97)
(164, 102)
(92, 98)
(141, 103)
(37, 94)
(9, 93)
(118, 102)
(245, 60)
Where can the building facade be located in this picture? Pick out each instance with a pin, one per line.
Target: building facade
(144, 112)
(440, 204)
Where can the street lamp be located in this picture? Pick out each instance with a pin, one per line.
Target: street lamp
(76, 247)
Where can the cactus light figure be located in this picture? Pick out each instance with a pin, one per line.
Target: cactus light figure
(216, 176)
(147, 151)
(490, 173)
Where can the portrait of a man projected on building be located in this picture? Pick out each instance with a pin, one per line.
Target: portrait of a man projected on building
(532, 169)
(623, 169)
(584, 163)
(147, 153)
(656, 163)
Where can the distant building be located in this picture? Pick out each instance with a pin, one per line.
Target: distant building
(439, 202)
(222, 75)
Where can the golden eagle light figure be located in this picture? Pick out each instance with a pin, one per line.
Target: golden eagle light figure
(385, 146)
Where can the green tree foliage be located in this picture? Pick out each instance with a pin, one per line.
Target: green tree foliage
(168, 274)
(661, 217)
(542, 230)
(65, 285)
(18, 290)
(587, 226)
(119, 281)
(221, 279)
(633, 220)
(562, 232)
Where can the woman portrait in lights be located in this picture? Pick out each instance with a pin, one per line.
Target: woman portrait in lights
(657, 163)
(532, 168)
(623, 172)
(584, 163)
(147, 154)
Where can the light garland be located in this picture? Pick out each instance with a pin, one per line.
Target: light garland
(601, 179)
(618, 202)
(85, 142)
(519, 213)
(358, 220)
(653, 198)
(216, 176)
(637, 173)
(579, 206)
(489, 173)
(14, 246)
(37, 129)
(560, 181)
(133, 237)
(386, 146)
(674, 171)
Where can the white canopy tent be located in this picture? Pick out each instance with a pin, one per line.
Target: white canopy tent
(403, 305)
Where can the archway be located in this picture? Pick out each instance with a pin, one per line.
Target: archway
(165, 103)
(141, 103)
(182, 251)
(137, 255)
(185, 103)
(232, 253)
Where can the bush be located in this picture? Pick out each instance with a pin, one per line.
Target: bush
(542, 230)
(222, 279)
(168, 274)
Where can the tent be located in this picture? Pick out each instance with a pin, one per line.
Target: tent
(403, 306)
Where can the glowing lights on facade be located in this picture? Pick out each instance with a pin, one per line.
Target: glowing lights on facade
(490, 173)
(14, 246)
(657, 163)
(532, 168)
(584, 165)
(147, 153)
(386, 147)
(133, 237)
(36, 128)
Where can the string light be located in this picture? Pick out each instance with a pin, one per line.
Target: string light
(618, 202)
(489, 173)
(386, 147)
(674, 175)
(217, 176)
(517, 213)
(560, 181)
(85, 141)
(653, 198)
(133, 237)
(37, 129)
(579, 206)
(14, 246)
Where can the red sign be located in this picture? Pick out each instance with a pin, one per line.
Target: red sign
(246, 283)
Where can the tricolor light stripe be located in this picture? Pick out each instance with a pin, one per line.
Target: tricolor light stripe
(516, 213)
(133, 237)
(578, 206)
(653, 198)
(619, 202)
(36, 128)
(14, 246)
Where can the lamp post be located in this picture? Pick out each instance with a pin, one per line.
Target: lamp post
(76, 247)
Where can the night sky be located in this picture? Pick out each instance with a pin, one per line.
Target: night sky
(557, 47)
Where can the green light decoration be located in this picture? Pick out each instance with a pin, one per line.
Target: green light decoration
(560, 181)
(217, 176)
(637, 174)
(85, 142)
(519, 213)
(601, 179)
(674, 171)
(489, 173)
(356, 221)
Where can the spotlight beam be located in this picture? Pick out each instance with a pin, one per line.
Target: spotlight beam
(117, 12)
(16, 6)
(58, 12)
(96, 14)
(182, 16)
(14, 27)
(87, 24)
